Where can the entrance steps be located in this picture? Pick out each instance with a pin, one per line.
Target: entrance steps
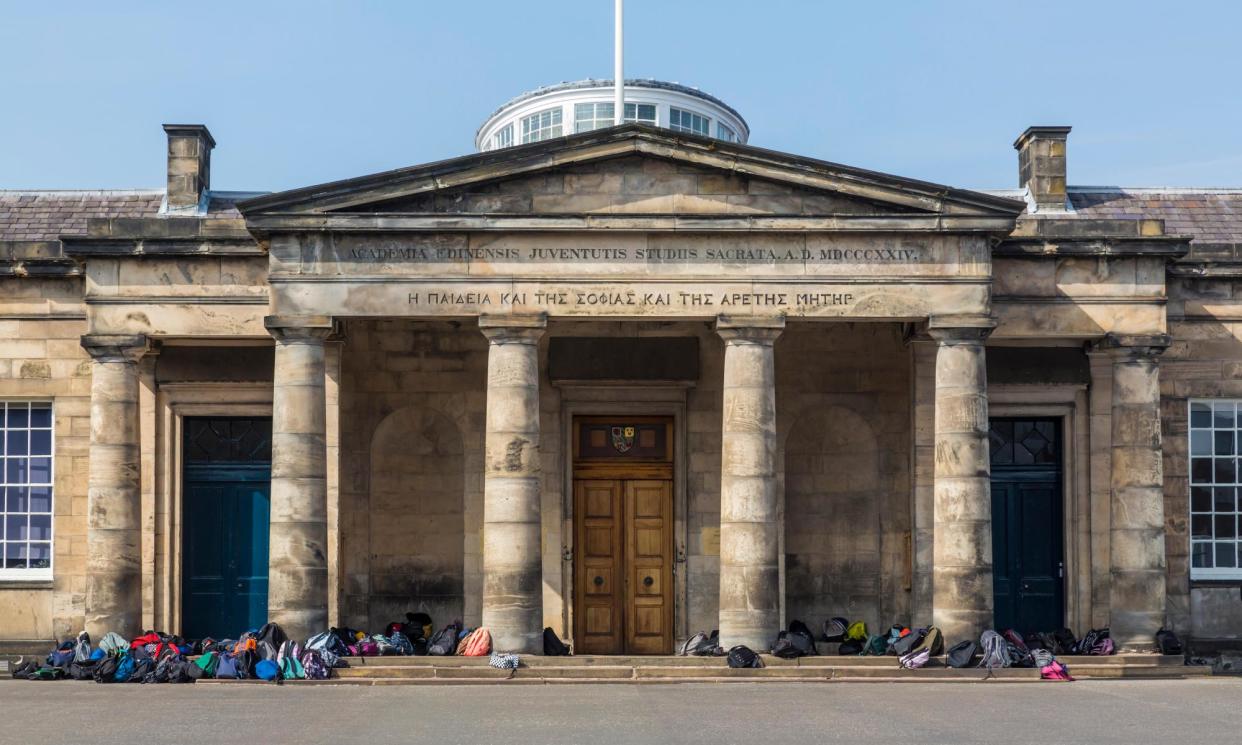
(536, 670)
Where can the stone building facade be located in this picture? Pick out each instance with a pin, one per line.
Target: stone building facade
(629, 384)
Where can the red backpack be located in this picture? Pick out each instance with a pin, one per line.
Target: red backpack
(477, 644)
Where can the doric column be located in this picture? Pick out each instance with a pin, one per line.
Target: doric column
(114, 497)
(750, 529)
(297, 590)
(962, 501)
(1137, 489)
(512, 566)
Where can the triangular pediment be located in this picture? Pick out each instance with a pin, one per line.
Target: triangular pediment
(634, 170)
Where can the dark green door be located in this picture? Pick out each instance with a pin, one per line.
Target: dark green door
(225, 510)
(1027, 529)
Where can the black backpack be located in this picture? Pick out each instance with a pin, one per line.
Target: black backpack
(962, 654)
(272, 634)
(783, 647)
(443, 643)
(25, 669)
(802, 638)
(246, 660)
(743, 657)
(905, 644)
(835, 628)
(552, 644)
(105, 669)
(142, 668)
(1064, 642)
(850, 647)
(84, 670)
(1168, 643)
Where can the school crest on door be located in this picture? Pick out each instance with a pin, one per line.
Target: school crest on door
(622, 439)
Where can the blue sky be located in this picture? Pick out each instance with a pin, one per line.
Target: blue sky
(303, 92)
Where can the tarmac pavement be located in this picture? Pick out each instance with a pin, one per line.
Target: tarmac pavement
(1097, 711)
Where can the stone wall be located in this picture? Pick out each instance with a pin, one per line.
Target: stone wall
(41, 359)
(1204, 361)
(844, 412)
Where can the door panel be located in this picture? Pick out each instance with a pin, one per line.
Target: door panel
(597, 505)
(649, 525)
(1027, 527)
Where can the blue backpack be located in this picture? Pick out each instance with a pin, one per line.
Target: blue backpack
(267, 670)
(226, 666)
(124, 669)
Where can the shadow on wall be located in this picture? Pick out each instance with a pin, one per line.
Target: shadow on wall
(417, 524)
(832, 520)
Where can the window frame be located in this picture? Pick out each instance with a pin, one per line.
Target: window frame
(721, 129)
(595, 118)
(499, 142)
(556, 121)
(1194, 484)
(28, 574)
(677, 114)
(655, 113)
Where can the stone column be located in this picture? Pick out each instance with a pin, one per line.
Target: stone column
(113, 492)
(962, 493)
(750, 527)
(512, 565)
(1137, 491)
(297, 590)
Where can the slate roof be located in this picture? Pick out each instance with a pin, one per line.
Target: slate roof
(1207, 216)
(46, 215)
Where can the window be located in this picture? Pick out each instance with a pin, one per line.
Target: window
(26, 540)
(688, 121)
(725, 132)
(588, 116)
(1215, 552)
(542, 125)
(503, 138)
(643, 113)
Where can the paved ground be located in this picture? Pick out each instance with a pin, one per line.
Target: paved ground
(1130, 712)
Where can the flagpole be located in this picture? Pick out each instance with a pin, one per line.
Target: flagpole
(618, 76)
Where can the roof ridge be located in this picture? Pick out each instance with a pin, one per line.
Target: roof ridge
(28, 192)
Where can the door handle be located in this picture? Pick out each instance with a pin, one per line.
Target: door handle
(648, 582)
(599, 581)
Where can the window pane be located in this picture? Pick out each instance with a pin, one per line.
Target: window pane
(40, 498)
(1201, 442)
(1226, 555)
(1200, 499)
(1201, 526)
(17, 442)
(1222, 415)
(15, 556)
(17, 499)
(1200, 415)
(40, 555)
(1225, 470)
(1223, 498)
(41, 470)
(1201, 555)
(1224, 443)
(41, 442)
(1201, 470)
(40, 415)
(15, 527)
(41, 527)
(19, 415)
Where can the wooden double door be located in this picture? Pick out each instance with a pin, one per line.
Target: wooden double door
(623, 545)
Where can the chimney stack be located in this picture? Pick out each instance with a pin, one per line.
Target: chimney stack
(1041, 166)
(189, 167)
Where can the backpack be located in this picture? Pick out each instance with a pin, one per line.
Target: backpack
(267, 670)
(1168, 643)
(552, 644)
(246, 662)
(478, 644)
(687, 649)
(291, 668)
(421, 622)
(995, 651)
(857, 632)
(876, 645)
(835, 628)
(850, 647)
(82, 649)
(266, 650)
(124, 669)
(208, 662)
(105, 669)
(273, 635)
(916, 659)
(328, 642)
(62, 655)
(784, 647)
(314, 666)
(368, 649)
(443, 642)
(142, 668)
(1064, 641)
(743, 657)
(1090, 640)
(931, 640)
(962, 654)
(112, 643)
(1055, 671)
(226, 666)
(802, 638)
(908, 643)
(1014, 638)
(81, 670)
(1104, 647)
(24, 669)
(401, 643)
(47, 673)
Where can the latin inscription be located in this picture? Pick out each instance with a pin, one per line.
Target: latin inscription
(589, 298)
(638, 255)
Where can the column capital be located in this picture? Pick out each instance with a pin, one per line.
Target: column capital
(299, 328)
(115, 347)
(1131, 346)
(513, 328)
(750, 329)
(955, 329)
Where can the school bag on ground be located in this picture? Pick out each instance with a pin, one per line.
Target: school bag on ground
(314, 666)
(142, 668)
(916, 659)
(850, 647)
(226, 666)
(272, 634)
(23, 668)
(112, 643)
(876, 646)
(552, 644)
(1096, 642)
(962, 654)
(328, 641)
(802, 638)
(62, 655)
(478, 644)
(401, 643)
(208, 662)
(908, 643)
(420, 622)
(84, 670)
(267, 670)
(995, 651)
(82, 649)
(1064, 641)
(834, 629)
(444, 642)
(688, 648)
(105, 669)
(47, 673)
(857, 632)
(742, 656)
(933, 641)
(1168, 643)
(1055, 671)
(784, 647)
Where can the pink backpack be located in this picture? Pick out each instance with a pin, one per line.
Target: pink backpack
(1055, 671)
(477, 644)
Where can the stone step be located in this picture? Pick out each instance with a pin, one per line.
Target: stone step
(719, 662)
